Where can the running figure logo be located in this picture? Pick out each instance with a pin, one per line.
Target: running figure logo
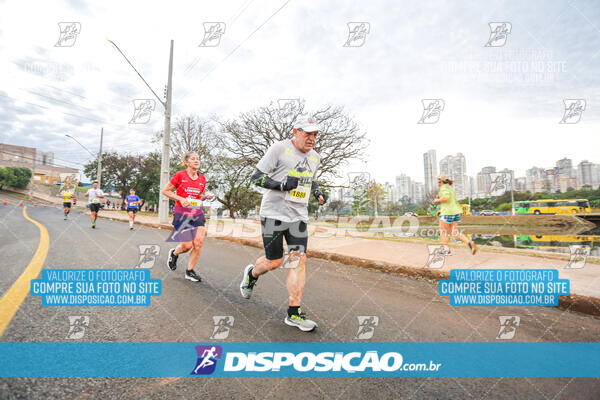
(578, 256)
(432, 109)
(148, 255)
(77, 326)
(366, 326)
(288, 107)
(223, 324)
(357, 33)
(574, 108)
(358, 180)
(207, 359)
(508, 326)
(292, 259)
(142, 111)
(499, 32)
(68, 34)
(212, 34)
(186, 231)
(436, 257)
(500, 183)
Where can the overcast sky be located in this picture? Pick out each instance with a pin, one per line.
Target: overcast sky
(502, 103)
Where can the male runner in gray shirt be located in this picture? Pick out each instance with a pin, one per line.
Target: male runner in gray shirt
(287, 170)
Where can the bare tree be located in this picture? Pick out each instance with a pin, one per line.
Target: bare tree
(249, 136)
(192, 133)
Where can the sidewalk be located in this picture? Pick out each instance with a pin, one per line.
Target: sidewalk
(409, 256)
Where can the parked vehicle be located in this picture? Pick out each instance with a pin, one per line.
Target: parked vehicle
(487, 213)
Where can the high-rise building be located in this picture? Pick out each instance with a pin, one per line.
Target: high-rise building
(456, 168)
(418, 190)
(584, 173)
(564, 165)
(521, 184)
(391, 193)
(430, 169)
(459, 175)
(588, 174)
(536, 179)
(484, 180)
(404, 187)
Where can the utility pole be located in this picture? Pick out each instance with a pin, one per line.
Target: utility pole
(470, 193)
(512, 192)
(99, 173)
(163, 204)
(163, 201)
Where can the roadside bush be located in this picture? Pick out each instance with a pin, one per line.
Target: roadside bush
(18, 177)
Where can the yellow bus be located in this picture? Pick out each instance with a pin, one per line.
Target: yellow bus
(554, 241)
(550, 206)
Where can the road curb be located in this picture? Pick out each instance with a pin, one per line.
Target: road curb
(582, 304)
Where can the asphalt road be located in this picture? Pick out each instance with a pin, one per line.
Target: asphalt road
(335, 294)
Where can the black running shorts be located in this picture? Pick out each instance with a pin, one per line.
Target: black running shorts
(273, 232)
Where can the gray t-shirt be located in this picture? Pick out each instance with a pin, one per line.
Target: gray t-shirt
(283, 159)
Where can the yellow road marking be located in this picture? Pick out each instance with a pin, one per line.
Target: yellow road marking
(12, 299)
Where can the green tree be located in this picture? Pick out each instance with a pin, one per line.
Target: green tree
(17, 177)
(335, 206)
(118, 171)
(359, 201)
(375, 193)
(230, 180)
(504, 207)
(147, 182)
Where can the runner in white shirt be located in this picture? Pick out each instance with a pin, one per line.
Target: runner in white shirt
(94, 195)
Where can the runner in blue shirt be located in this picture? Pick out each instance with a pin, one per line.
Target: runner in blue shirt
(133, 202)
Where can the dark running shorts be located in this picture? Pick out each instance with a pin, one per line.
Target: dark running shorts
(133, 210)
(273, 232)
(94, 207)
(66, 205)
(185, 227)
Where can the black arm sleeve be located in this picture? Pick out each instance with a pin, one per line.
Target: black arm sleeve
(316, 191)
(261, 179)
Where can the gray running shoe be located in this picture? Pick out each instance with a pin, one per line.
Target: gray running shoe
(248, 282)
(301, 322)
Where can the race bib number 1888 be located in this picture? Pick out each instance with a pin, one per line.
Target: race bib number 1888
(299, 195)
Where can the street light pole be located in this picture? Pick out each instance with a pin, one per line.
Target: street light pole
(99, 173)
(163, 204)
(163, 201)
